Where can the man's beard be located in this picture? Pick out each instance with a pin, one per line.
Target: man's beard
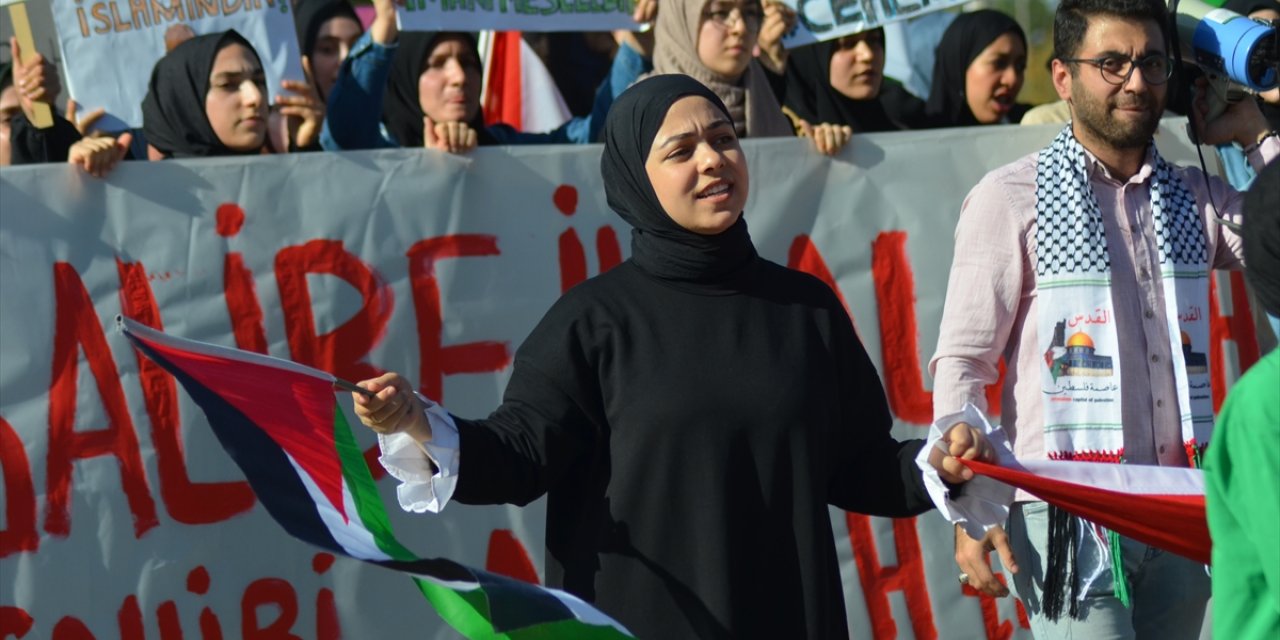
(1095, 115)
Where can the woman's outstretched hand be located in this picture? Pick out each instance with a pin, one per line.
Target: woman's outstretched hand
(394, 407)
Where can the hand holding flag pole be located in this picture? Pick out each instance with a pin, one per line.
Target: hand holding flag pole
(297, 451)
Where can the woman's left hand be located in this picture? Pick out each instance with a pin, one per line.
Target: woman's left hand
(304, 111)
(778, 20)
(962, 441)
(827, 138)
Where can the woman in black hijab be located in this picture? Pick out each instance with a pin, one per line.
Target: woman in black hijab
(689, 414)
(402, 112)
(849, 89)
(978, 70)
(178, 116)
(327, 29)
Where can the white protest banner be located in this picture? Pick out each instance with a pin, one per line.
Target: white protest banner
(819, 20)
(110, 46)
(124, 516)
(517, 15)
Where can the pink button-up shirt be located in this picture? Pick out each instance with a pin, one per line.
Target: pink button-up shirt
(991, 302)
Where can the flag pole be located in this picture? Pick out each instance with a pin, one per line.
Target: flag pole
(352, 387)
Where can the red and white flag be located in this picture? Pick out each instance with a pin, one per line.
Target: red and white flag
(1161, 506)
(518, 89)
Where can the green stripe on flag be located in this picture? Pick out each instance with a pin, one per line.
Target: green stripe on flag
(467, 611)
(369, 507)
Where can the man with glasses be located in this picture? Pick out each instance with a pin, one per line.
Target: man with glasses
(1086, 267)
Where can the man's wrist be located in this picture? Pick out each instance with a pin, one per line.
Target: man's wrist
(1257, 141)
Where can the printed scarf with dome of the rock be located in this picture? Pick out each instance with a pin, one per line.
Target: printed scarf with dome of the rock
(1080, 381)
(1081, 374)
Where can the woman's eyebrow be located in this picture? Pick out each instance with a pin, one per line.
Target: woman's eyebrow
(676, 138)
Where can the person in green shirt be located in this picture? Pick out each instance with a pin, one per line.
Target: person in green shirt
(1242, 469)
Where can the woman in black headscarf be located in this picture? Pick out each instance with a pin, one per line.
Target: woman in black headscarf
(207, 97)
(402, 112)
(327, 29)
(978, 70)
(842, 81)
(393, 84)
(689, 414)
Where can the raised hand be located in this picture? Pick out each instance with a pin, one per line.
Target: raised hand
(36, 80)
(778, 20)
(304, 111)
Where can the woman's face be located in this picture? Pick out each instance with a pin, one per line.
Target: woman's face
(857, 65)
(727, 35)
(697, 168)
(333, 42)
(449, 87)
(236, 103)
(992, 82)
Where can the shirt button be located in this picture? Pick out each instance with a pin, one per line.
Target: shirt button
(1159, 403)
(1160, 449)
(1149, 314)
(1143, 272)
(1155, 357)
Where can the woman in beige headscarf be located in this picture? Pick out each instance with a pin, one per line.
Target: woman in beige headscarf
(713, 41)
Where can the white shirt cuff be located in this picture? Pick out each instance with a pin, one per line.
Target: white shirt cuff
(424, 487)
(984, 502)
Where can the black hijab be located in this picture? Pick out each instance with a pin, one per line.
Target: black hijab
(401, 112)
(173, 115)
(811, 96)
(310, 15)
(962, 42)
(659, 245)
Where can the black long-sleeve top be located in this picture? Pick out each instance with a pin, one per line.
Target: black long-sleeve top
(689, 439)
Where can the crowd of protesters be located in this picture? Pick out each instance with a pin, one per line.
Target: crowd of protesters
(381, 87)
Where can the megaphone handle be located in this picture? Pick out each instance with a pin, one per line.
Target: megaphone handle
(1216, 97)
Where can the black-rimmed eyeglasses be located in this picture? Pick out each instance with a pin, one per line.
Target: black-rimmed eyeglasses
(1156, 68)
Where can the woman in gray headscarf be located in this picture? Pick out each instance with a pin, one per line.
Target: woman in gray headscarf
(713, 41)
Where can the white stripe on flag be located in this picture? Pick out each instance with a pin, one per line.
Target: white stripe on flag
(542, 107)
(582, 611)
(1124, 478)
(151, 335)
(351, 533)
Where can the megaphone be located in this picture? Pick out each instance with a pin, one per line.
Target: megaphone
(1226, 44)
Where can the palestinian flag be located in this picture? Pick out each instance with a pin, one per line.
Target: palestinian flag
(1161, 506)
(282, 425)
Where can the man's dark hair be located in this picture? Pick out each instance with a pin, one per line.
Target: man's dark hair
(1072, 20)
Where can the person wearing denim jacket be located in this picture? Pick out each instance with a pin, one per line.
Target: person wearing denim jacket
(354, 118)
